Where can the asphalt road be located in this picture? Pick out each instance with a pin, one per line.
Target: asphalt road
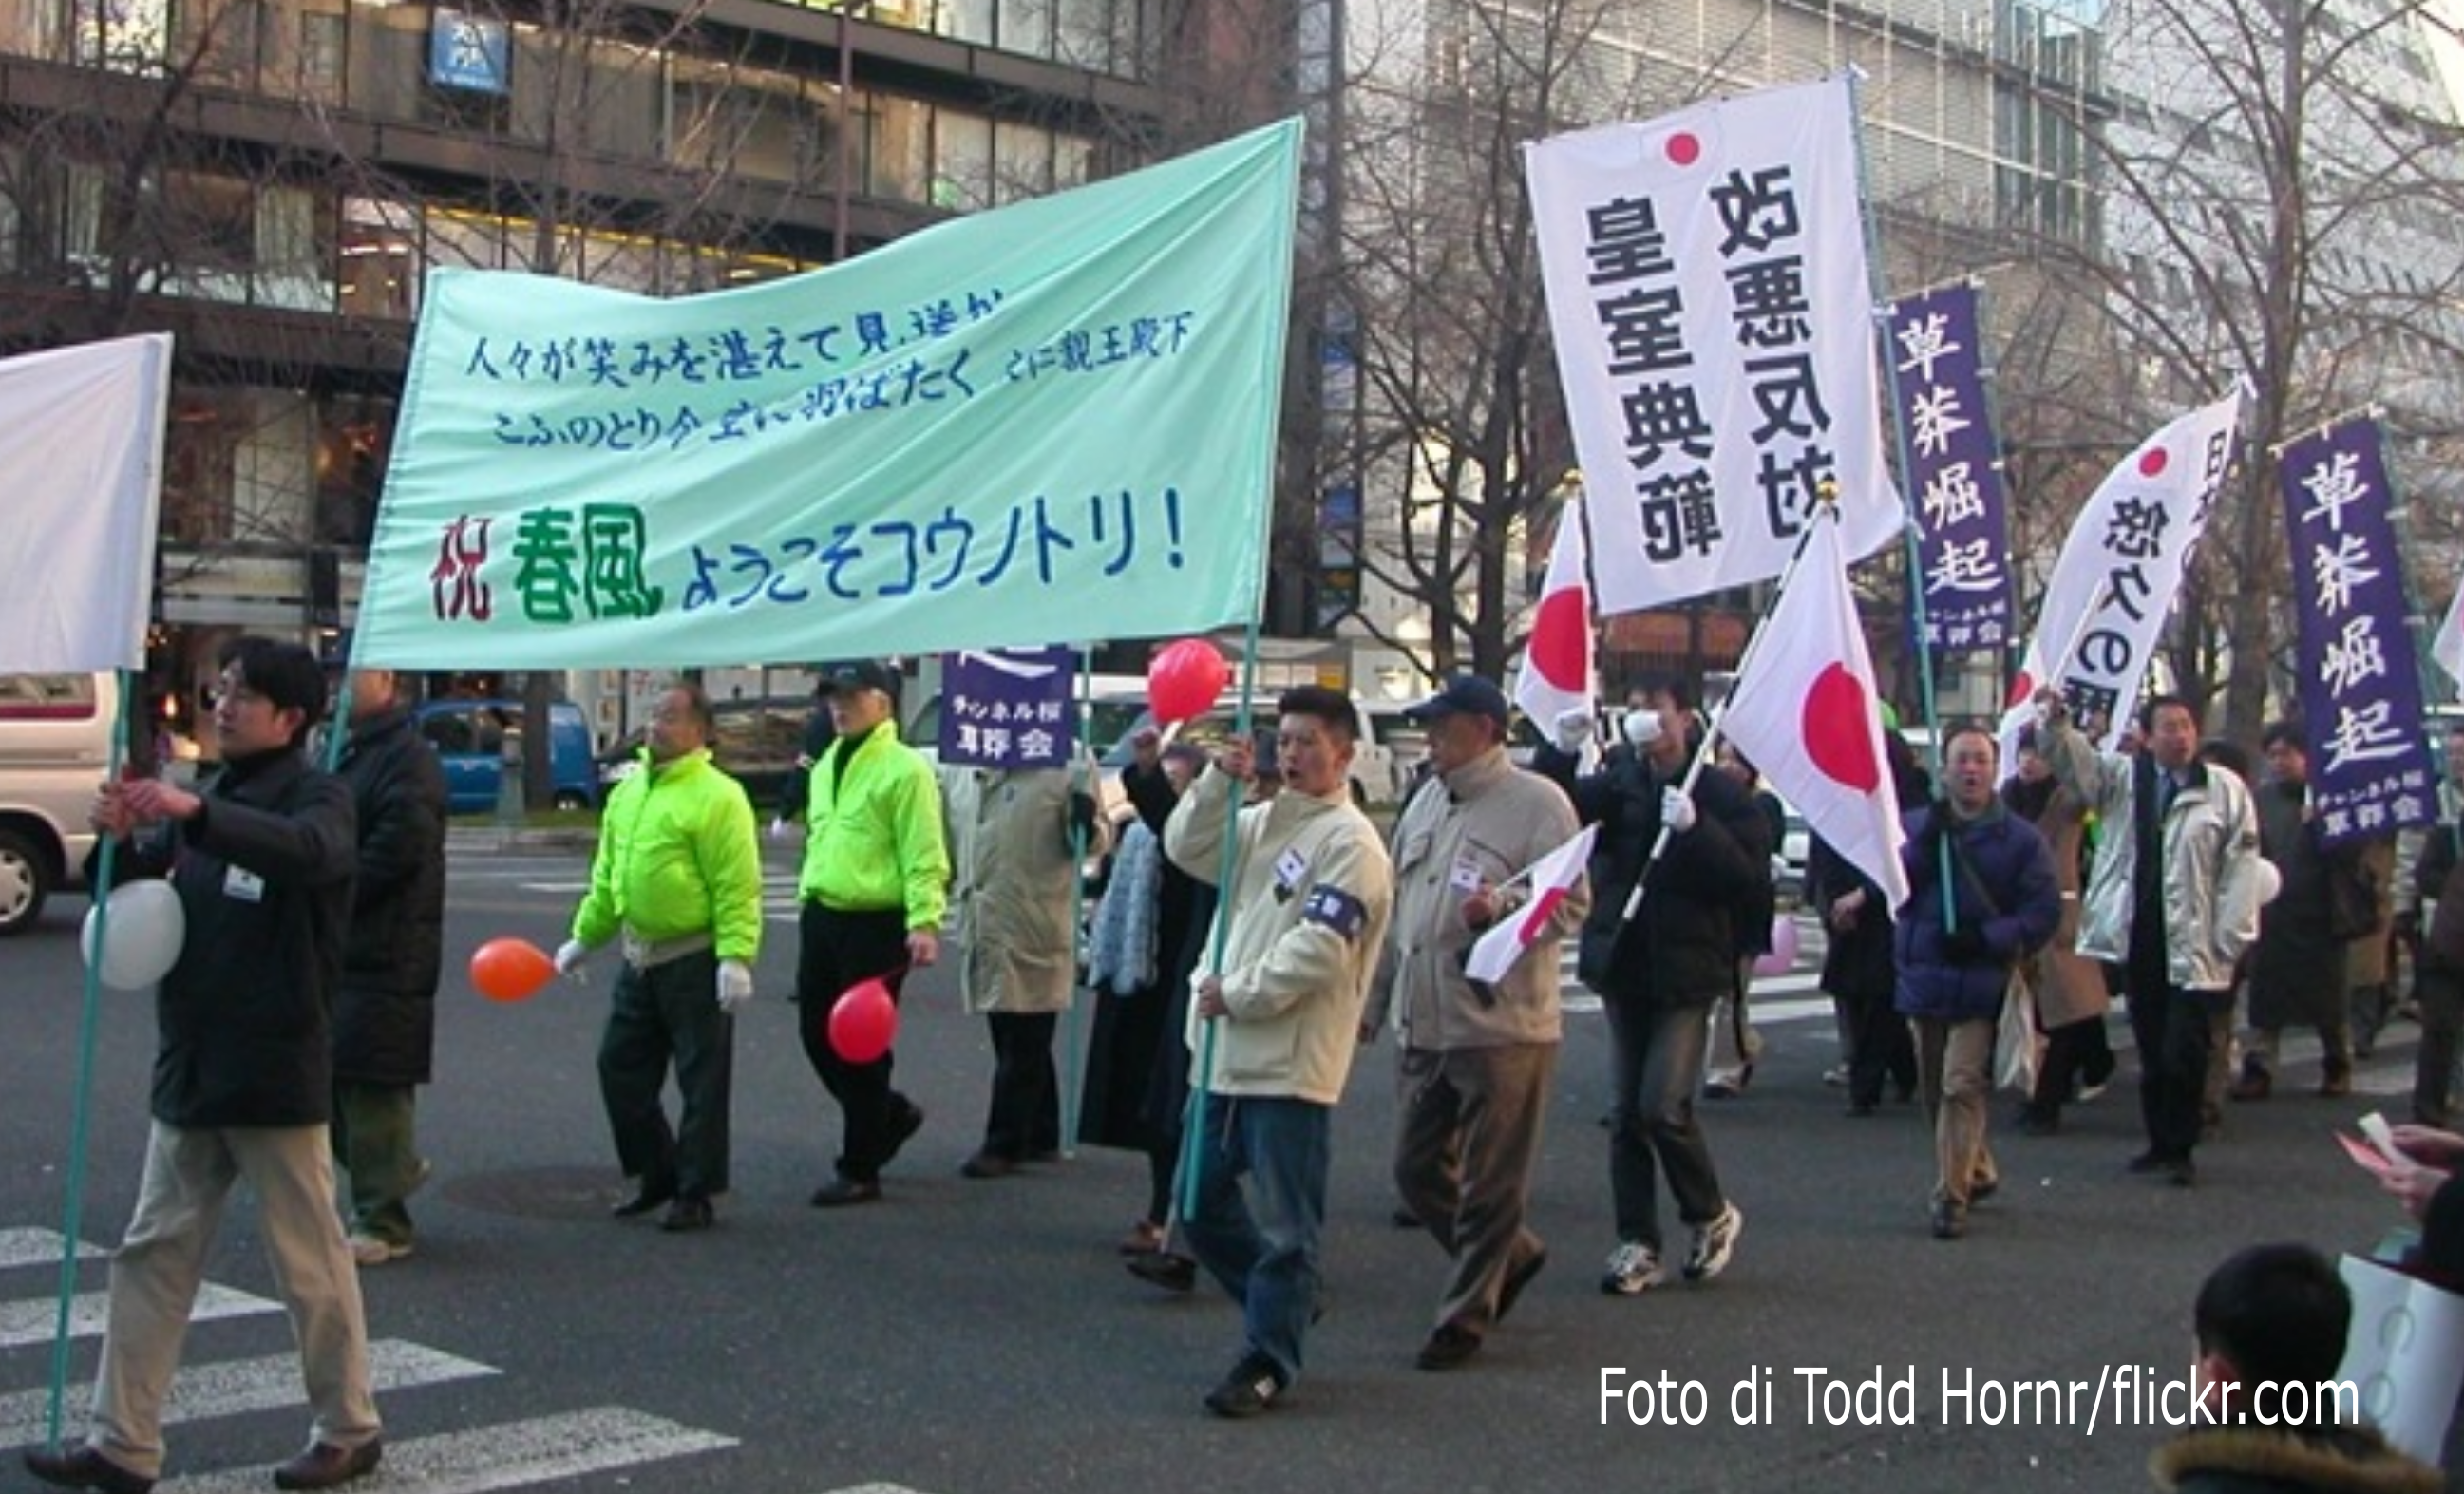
(965, 1336)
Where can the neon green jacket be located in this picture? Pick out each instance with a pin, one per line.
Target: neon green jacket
(872, 836)
(678, 854)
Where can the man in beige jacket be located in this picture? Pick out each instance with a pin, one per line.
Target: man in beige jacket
(1275, 1023)
(1479, 1059)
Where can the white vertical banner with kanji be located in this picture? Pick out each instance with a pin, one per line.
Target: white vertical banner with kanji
(1708, 289)
(2122, 567)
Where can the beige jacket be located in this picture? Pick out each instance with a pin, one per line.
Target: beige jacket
(1014, 893)
(1311, 894)
(1486, 821)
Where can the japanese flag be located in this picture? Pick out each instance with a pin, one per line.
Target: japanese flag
(1551, 877)
(2447, 646)
(1804, 713)
(1557, 673)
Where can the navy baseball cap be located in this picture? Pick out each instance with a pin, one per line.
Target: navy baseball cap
(858, 674)
(1464, 695)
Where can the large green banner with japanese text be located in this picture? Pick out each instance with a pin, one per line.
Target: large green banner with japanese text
(1053, 422)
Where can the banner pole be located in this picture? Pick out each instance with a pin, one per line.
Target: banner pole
(81, 1107)
(1082, 759)
(1227, 864)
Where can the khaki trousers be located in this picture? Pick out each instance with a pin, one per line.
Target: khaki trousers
(1955, 1076)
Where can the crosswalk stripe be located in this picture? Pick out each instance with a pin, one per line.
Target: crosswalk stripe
(37, 1247)
(30, 1321)
(240, 1386)
(480, 1458)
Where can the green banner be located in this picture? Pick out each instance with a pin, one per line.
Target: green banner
(1053, 420)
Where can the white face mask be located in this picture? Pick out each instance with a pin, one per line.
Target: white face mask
(1643, 728)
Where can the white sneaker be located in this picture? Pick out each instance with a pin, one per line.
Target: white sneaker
(1634, 1268)
(1835, 1076)
(369, 1250)
(1714, 1244)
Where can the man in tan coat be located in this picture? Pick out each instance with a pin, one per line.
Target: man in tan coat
(1017, 837)
(2068, 988)
(1479, 1061)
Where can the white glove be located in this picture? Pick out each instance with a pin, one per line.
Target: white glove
(1676, 809)
(734, 984)
(1643, 728)
(1571, 730)
(779, 828)
(569, 956)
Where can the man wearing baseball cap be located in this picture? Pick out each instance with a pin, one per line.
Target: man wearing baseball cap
(875, 874)
(1478, 1061)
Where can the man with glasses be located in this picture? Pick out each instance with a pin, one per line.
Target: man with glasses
(243, 1077)
(678, 876)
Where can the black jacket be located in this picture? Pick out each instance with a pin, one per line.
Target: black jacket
(264, 878)
(385, 1020)
(1681, 949)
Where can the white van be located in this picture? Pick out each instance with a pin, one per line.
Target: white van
(54, 749)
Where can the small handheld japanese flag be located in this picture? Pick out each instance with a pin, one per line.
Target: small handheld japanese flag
(2447, 646)
(1558, 674)
(1551, 876)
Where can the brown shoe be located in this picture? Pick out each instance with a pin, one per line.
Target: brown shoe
(81, 1467)
(324, 1466)
(2255, 1083)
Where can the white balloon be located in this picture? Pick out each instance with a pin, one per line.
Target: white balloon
(147, 929)
(2270, 882)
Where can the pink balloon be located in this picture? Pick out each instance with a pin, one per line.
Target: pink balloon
(1785, 945)
(864, 1022)
(1184, 680)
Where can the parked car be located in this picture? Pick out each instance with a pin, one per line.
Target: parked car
(54, 749)
(470, 739)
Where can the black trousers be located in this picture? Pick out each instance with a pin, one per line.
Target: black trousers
(835, 951)
(1025, 1115)
(670, 1014)
(2074, 1051)
(2176, 1029)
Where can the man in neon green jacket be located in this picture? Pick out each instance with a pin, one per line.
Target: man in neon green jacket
(678, 877)
(876, 883)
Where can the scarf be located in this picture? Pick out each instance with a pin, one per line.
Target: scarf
(1121, 946)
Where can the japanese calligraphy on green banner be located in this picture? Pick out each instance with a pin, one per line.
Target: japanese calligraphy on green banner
(1054, 421)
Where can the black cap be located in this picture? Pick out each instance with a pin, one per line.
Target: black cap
(858, 674)
(1464, 695)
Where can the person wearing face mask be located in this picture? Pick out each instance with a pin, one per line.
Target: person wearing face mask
(1700, 852)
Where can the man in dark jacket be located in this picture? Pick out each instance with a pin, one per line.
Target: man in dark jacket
(243, 1079)
(2273, 1319)
(385, 1022)
(1954, 952)
(1658, 971)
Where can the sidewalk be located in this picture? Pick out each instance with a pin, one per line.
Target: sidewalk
(498, 837)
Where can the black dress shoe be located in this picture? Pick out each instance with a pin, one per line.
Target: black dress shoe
(81, 1467)
(840, 1192)
(651, 1195)
(1448, 1346)
(324, 1466)
(987, 1164)
(1165, 1269)
(687, 1215)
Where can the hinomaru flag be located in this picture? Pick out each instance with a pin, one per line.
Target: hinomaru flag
(1553, 876)
(1557, 673)
(1804, 713)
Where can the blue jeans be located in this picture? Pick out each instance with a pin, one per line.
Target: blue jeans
(1262, 1243)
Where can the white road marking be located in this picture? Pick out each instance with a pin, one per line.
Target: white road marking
(240, 1386)
(38, 1248)
(510, 1455)
(32, 1321)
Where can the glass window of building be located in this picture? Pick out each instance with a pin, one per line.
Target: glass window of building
(379, 258)
(897, 146)
(962, 161)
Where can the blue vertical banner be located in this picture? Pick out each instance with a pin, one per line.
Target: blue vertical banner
(1008, 708)
(2361, 684)
(1955, 475)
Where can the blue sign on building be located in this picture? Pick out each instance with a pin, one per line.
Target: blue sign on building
(468, 51)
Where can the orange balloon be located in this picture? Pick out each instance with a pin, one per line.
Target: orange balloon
(510, 970)
(865, 1022)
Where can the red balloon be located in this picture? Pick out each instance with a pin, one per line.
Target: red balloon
(1184, 680)
(510, 970)
(865, 1022)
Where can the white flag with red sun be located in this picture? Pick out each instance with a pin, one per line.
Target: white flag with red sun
(1558, 674)
(1804, 713)
(1553, 876)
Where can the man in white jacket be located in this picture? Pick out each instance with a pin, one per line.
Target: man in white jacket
(1274, 1028)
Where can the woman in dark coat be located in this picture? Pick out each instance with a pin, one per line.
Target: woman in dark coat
(2298, 969)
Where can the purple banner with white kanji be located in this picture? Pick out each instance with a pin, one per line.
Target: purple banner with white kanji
(1954, 474)
(2370, 772)
(1008, 708)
